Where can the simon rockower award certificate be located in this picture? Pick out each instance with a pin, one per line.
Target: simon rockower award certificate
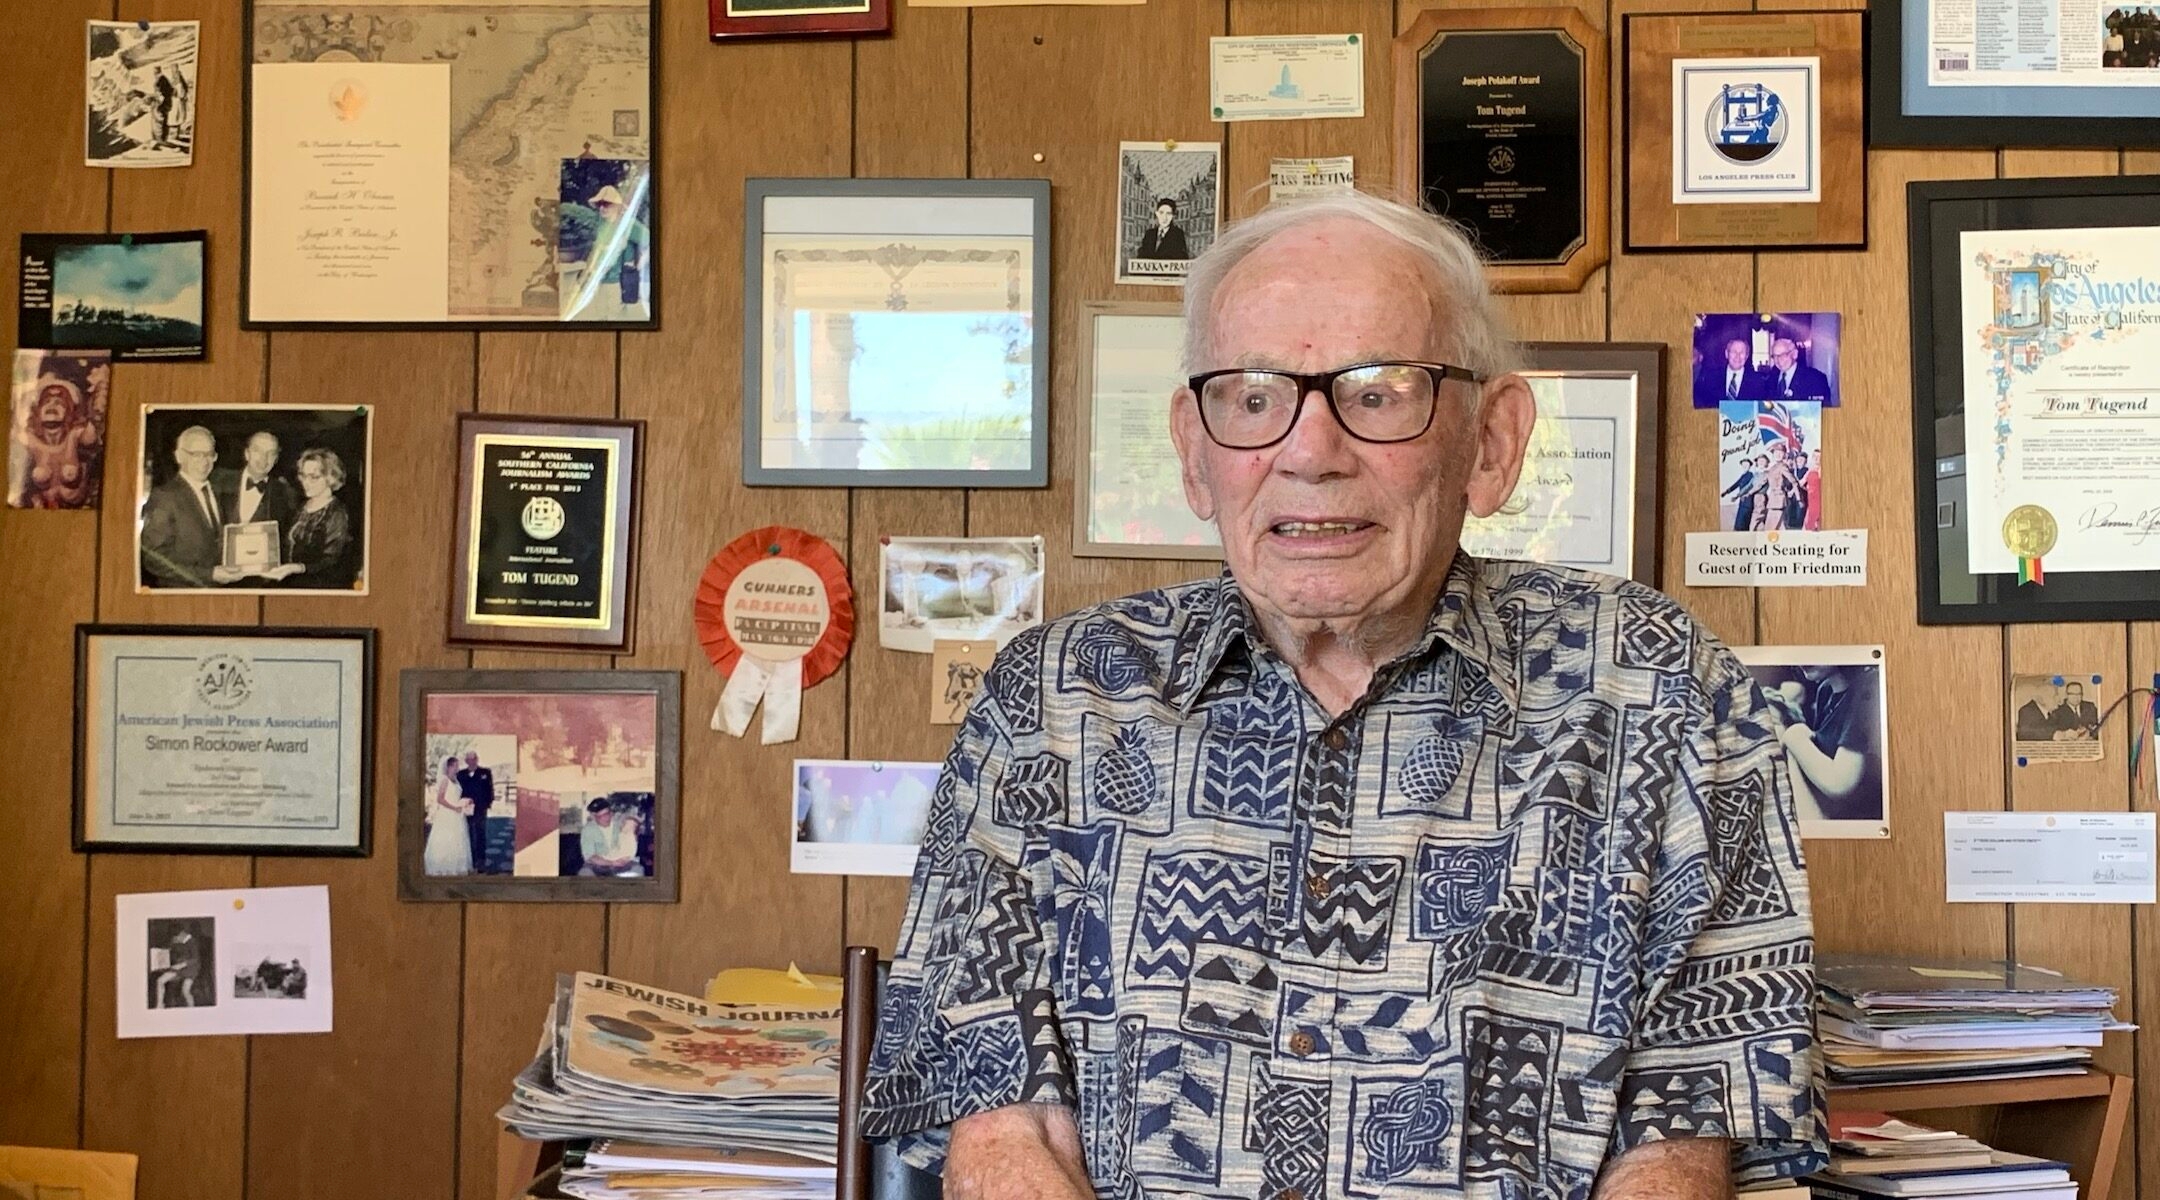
(2060, 335)
(219, 739)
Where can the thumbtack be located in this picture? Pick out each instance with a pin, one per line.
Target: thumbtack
(1038, 156)
(143, 25)
(1169, 143)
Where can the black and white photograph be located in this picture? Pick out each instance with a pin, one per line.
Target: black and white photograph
(213, 963)
(1834, 704)
(139, 93)
(957, 589)
(276, 971)
(180, 962)
(139, 295)
(2055, 718)
(1169, 208)
(253, 498)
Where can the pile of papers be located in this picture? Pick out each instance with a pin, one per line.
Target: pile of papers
(1873, 1154)
(632, 1068)
(1894, 1022)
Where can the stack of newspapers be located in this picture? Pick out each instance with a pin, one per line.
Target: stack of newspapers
(625, 1071)
(1894, 1022)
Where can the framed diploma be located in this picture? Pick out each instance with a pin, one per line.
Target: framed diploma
(796, 18)
(1588, 493)
(547, 530)
(1947, 73)
(895, 333)
(1130, 502)
(1504, 131)
(223, 740)
(480, 165)
(1743, 131)
(2036, 419)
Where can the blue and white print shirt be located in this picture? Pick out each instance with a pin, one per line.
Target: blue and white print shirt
(1536, 899)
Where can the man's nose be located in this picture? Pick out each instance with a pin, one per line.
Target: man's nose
(1317, 443)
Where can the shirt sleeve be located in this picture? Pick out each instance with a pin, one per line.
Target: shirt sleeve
(1724, 1044)
(967, 1020)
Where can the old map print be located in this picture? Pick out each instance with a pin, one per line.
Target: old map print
(531, 84)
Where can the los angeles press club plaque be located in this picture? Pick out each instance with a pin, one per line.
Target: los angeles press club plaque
(547, 533)
(1504, 132)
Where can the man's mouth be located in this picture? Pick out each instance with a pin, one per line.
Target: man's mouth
(1318, 529)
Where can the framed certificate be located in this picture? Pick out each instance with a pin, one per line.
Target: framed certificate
(223, 740)
(1587, 497)
(896, 333)
(1130, 502)
(2036, 421)
(547, 531)
(485, 165)
(1941, 73)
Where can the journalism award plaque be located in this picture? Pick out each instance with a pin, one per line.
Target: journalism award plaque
(1504, 132)
(252, 548)
(547, 530)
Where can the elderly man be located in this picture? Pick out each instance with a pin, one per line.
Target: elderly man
(1368, 868)
(183, 520)
(1790, 379)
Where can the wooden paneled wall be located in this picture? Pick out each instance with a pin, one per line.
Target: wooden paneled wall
(440, 1004)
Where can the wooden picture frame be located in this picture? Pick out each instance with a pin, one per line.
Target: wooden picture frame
(728, 19)
(593, 572)
(202, 704)
(1155, 474)
(1734, 192)
(491, 716)
(1569, 267)
(1939, 214)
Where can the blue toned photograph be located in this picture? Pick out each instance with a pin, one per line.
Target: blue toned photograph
(128, 295)
(1766, 356)
(1835, 724)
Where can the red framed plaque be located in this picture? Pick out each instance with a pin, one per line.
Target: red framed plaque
(797, 18)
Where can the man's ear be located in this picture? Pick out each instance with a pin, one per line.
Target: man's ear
(1503, 433)
(1191, 440)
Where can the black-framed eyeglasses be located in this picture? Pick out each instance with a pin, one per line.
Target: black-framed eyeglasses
(1248, 408)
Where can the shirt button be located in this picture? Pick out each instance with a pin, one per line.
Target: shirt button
(1301, 1043)
(1316, 886)
(1335, 739)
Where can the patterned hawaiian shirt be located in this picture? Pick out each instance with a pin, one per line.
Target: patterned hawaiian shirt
(1537, 898)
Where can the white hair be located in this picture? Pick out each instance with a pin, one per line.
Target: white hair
(1474, 333)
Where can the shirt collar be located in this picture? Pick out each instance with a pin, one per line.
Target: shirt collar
(1462, 618)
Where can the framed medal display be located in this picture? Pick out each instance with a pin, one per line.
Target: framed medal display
(2035, 337)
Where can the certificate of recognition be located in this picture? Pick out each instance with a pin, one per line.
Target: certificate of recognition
(230, 740)
(1575, 502)
(2060, 335)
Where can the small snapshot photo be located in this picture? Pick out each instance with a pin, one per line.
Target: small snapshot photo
(251, 960)
(139, 92)
(1766, 356)
(1836, 716)
(1770, 465)
(254, 498)
(2055, 718)
(1169, 208)
(180, 962)
(139, 295)
(603, 240)
(541, 787)
(277, 971)
(958, 589)
(2130, 38)
(56, 428)
(860, 818)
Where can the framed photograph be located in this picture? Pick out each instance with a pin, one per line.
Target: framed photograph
(539, 785)
(1130, 499)
(1505, 132)
(1588, 493)
(217, 963)
(254, 499)
(1169, 208)
(1765, 356)
(136, 295)
(957, 589)
(797, 18)
(546, 549)
(859, 818)
(895, 333)
(376, 200)
(214, 739)
(1744, 131)
(2081, 77)
(2035, 341)
(1837, 733)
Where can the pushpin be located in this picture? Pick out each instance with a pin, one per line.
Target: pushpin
(238, 904)
(1038, 156)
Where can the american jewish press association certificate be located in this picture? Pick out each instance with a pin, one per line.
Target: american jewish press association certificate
(223, 741)
(1574, 505)
(2060, 335)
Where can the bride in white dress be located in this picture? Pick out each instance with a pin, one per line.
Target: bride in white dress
(449, 844)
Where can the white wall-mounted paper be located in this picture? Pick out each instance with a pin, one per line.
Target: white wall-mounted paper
(250, 960)
(1792, 558)
(2057, 858)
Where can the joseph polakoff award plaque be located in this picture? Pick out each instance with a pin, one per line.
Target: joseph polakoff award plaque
(1504, 132)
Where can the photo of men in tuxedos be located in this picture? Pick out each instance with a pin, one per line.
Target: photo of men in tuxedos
(257, 492)
(477, 784)
(182, 517)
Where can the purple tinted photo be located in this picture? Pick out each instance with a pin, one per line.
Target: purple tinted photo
(1766, 356)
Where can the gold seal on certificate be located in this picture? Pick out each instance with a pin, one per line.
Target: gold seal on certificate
(2029, 531)
(251, 548)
